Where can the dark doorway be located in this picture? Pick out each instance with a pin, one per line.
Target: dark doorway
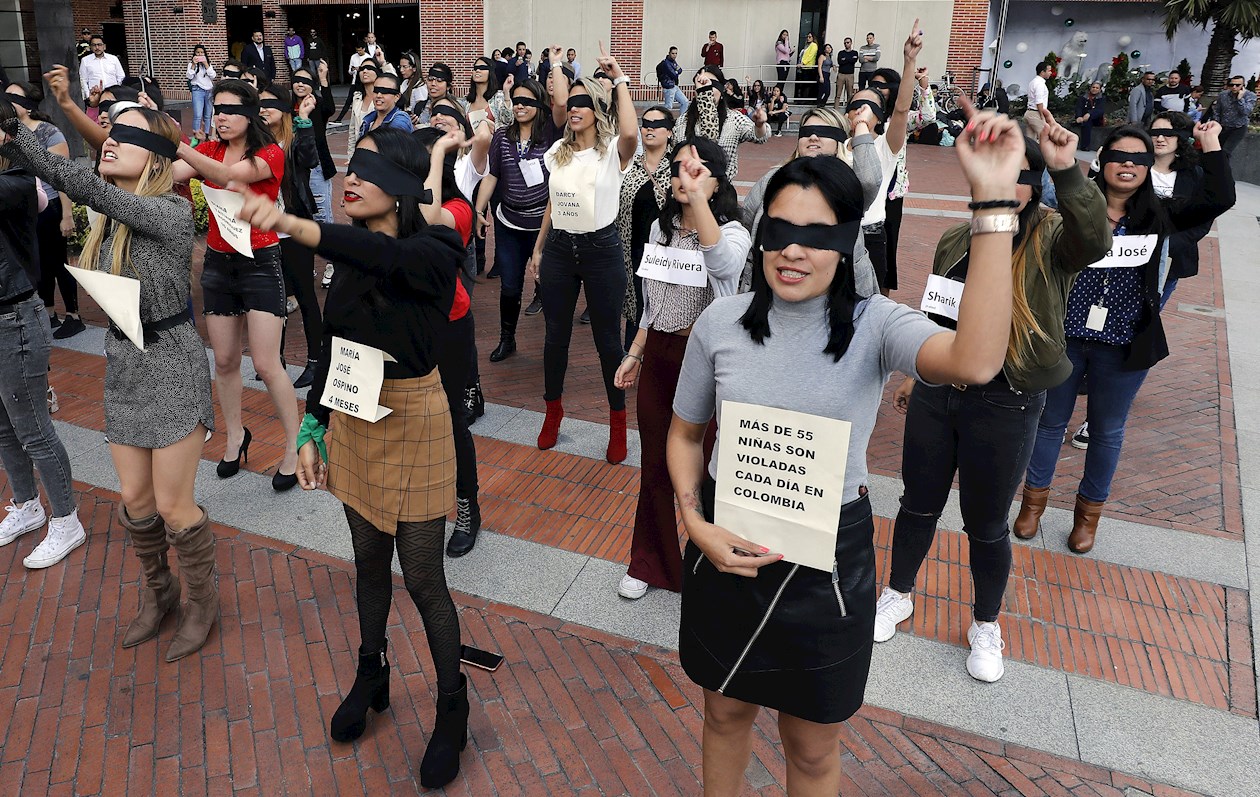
(813, 20)
(115, 36)
(341, 26)
(241, 22)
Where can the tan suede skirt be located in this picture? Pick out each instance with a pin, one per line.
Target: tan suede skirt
(402, 468)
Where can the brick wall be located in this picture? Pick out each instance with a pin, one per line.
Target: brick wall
(453, 32)
(966, 40)
(91, 14)
(626, 44)
(173, 38)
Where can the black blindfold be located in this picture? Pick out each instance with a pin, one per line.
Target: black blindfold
(237, 110)
(1031, 177)
(302, 79)
(375, 168)
(874, 106)
(440, 73)
(22, 101)
(158, 145)
(824, 131)
(529, 102)
(275, 105)
(777, 234)
(660, 124)
(1136, 158)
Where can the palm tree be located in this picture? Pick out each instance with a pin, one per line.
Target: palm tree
(1231, 20)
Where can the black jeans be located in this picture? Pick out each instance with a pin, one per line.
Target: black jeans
(52, 259)
(298, 263)
(569, 262)
(893, 211)
(876, 241)
(455, 356)
(985, 433)
(783, 70)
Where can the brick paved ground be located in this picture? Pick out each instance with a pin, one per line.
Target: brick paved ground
(572, 712)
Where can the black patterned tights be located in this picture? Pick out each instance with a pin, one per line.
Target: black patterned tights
(420, 552)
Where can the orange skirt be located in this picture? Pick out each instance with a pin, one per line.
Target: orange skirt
(400, 469)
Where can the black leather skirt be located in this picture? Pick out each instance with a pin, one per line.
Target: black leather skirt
(793, 639)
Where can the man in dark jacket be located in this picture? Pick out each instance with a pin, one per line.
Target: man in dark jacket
(315, 51)
(1091, 108)
(258, 54)
(667, 74)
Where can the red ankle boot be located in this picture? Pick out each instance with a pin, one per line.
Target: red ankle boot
(617, 436)
(551, 425)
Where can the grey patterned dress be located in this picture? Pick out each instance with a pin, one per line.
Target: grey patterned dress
(156, 397)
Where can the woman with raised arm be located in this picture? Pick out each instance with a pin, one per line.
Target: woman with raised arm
(395, 476)
(234, 286)
(157, 399)
(519, 177)
(579, 248)
(644, 191)
(709, 117)
(294, 131)
(1114, 331)
(758, 631)
(984, 432)
(699, 222)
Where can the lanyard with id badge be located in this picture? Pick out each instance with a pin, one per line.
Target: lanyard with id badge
(1127, 251)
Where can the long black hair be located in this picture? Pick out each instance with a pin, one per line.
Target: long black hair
(1145, 214)
(426, 137)
(725, 201)
(257, 135)
(693, 110)
(843, 193)
(399, 149)
(1187, 156)
(541, 115)
(492, 82)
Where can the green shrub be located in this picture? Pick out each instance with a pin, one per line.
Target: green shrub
(201, 217)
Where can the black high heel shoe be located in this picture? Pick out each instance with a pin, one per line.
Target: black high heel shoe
(283, 481)
(229, 468)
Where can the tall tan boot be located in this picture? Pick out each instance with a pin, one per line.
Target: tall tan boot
(1084, 525)
(1031, 507)
(195, 547)
(159, 594)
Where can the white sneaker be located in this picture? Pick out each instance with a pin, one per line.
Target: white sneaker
(891, 608)
(985, 661)
(21, 519)
(1081, 438)
(328, 275)
(64, 535)
(631, 587)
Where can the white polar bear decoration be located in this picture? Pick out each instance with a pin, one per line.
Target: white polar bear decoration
(1071, 54)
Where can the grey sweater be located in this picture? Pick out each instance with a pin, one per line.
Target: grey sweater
(870, 175)
(791, 372)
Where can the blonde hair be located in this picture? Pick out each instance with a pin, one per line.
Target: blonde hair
(1024, 326)
(156, 180)
(283, 132)
(605, 130)
(831, 118)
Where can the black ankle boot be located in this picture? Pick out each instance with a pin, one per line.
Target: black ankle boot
(450, 735)
(371, 689)
(474, 402)
(467, 524)
(307, 377)
(509, 315)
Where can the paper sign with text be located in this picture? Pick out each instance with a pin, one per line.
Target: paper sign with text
(942, 296)
(780, 480)
(674, 265)
(355, 375)
(225, 204)
(118, 296)
(532, 171)
(573, 194)
(1128, 251)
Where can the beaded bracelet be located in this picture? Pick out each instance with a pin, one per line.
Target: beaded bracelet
(993, 203)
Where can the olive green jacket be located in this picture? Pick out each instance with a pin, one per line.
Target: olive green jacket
(1071, 239)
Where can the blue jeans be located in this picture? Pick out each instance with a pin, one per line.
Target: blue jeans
(1170, 285)
(675, 93)
(322, 189)
(28, 439)
(203, 111)
(512, 247)
(1109, 396)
